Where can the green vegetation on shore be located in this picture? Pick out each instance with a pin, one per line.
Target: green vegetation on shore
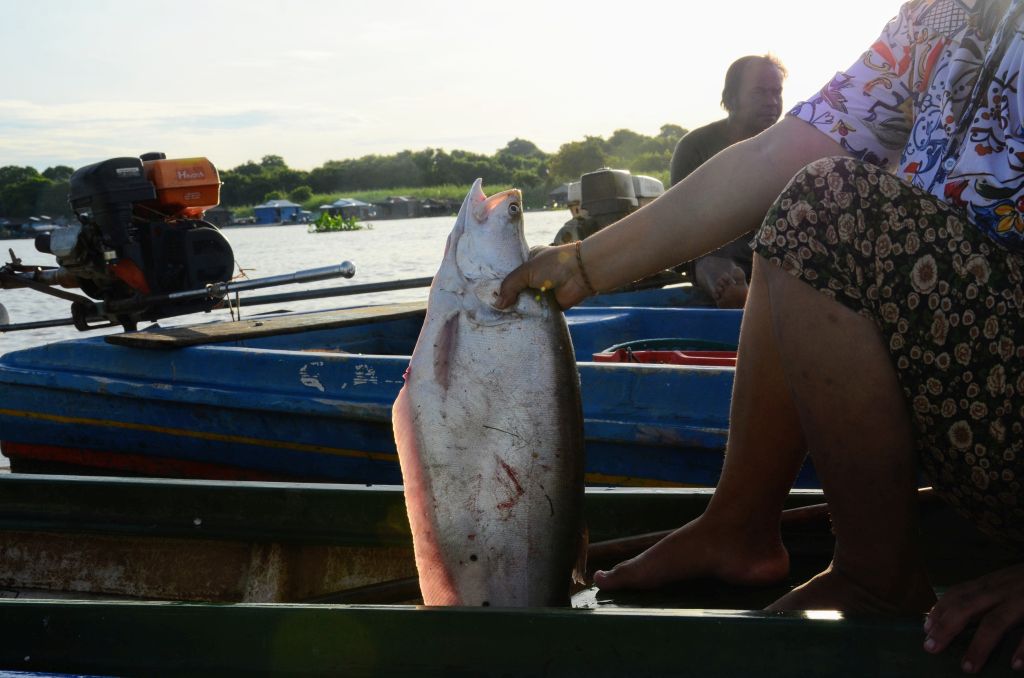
(450, 192)
(428, 173)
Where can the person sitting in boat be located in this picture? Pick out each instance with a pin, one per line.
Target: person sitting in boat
(882, 330)
(752, 97)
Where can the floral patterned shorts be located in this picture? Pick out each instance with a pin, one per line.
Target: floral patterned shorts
(948, 300)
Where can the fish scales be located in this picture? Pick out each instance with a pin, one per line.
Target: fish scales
(489, 427)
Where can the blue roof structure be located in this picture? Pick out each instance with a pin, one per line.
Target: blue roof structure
(278, 203)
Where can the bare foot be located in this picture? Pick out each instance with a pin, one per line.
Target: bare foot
(834, 590)
(731, 289)
(723, 280)
(700, 549)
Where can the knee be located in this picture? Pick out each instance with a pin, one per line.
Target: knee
(826, 192)
(828, 179)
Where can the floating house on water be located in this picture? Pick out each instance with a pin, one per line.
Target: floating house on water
(439, 208)
(559, 196)
(348, 208)
(277, 211)
(219, 216)
(399, 208)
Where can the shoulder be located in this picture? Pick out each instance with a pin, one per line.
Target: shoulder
(708, 133)
(709, 138)
(696, 147)
(944, 18)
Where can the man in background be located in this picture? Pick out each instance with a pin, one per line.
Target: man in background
(752, 96)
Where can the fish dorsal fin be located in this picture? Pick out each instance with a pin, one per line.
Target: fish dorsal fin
(482, 205)
(476, 193)
(465, 213)
(451, 248)
(471, 205)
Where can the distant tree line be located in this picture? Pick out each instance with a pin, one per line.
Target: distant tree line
(26, 192)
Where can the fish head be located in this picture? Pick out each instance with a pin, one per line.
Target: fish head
(490, 243)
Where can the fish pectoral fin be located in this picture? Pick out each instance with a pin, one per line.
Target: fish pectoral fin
(480, 308)
(444, 348)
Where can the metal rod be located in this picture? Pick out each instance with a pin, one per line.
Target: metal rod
(343, 270)
(43, 324)
(15, 281)
(366, 288)
(219, 290)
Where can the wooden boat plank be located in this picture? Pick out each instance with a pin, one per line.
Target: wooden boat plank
(193, 335)
(158, 638)
(290, 512)
(317, 539)
(234, 541)
(287, 512)
(218, 570)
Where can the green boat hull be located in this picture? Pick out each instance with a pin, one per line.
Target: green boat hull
(103, 549)
(163, 638)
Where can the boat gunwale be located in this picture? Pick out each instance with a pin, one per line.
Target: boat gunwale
(120, 637)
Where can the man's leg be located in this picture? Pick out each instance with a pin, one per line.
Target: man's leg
(737, 539)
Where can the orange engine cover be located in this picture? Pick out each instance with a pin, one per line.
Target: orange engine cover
(185, 187)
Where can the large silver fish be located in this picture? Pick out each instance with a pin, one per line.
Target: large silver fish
(489, 426)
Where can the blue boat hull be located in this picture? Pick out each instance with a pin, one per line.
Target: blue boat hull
(316, 405)
(674, 296)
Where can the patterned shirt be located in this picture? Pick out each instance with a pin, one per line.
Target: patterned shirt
(937, 99)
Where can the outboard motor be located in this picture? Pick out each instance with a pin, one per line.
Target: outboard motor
(603, 197)
(140, 238)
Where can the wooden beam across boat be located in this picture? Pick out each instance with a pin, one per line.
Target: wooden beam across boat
(265, 326)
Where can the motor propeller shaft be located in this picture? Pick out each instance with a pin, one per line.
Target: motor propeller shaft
(86, 312)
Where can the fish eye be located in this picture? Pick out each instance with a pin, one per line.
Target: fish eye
(514, 209)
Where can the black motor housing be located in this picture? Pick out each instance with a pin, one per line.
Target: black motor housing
(602, 197)
(179, 256)
(139, 239)
(108, 191)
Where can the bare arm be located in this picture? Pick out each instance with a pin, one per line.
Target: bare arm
(712, 206)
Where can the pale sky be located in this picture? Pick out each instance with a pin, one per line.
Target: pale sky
(318, 80)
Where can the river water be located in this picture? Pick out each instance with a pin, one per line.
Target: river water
(390, 250)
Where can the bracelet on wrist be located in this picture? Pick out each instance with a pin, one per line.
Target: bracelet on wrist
(583, 271)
